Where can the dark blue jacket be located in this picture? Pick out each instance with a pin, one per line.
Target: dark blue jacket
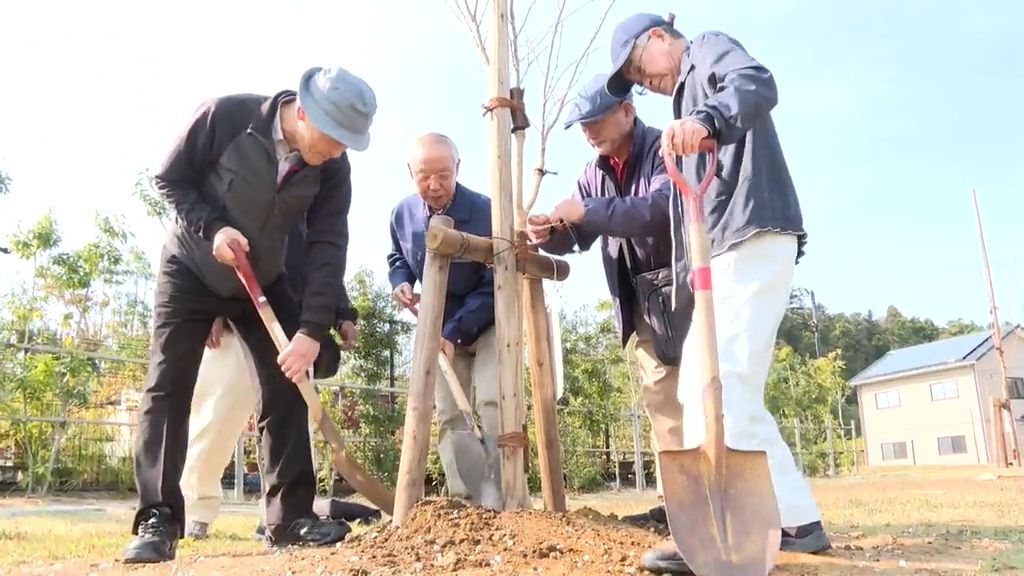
(725, 88)
(469, 305)
(640, 210)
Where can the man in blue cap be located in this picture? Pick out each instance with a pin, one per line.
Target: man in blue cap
(246, 170)
(623, 197)
(757, 236)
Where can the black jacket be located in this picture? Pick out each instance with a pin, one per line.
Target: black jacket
(222, 171)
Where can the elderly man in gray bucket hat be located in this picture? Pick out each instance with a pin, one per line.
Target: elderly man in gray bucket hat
(247, 169)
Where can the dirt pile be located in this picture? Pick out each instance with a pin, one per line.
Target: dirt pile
(443, 536)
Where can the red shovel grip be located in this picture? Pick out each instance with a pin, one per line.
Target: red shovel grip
(708, 146)
(246, 274)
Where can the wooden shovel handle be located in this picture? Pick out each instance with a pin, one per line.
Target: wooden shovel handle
(457, 392)
(703, 323)
(351, 470)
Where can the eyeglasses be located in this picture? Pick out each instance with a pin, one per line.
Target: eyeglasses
(635, 69)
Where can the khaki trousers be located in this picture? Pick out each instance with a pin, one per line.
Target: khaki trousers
(658, 391)
(477, 369)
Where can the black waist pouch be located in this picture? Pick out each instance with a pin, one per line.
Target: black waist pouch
(669, 325)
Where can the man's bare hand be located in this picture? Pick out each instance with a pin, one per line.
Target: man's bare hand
(298, 356)
(216, 331)
(222, 245)
(538, 227)
(682, 137)
(448, 349)
(349, 335)
(404, 295)
(571, 210)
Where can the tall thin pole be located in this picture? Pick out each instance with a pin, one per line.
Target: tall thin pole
(508, 326)
(1013, 454)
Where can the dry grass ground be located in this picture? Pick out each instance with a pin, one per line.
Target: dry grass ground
(936, 522)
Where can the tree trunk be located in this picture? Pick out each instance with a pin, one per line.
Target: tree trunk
(538, 177)
(59, 431)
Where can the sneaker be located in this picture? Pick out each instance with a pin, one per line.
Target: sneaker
(156, 539)
(198, 531)
(806, 539)
(308, 532)
(655, 515)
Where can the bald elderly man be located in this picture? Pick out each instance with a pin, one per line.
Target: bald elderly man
(467, 335)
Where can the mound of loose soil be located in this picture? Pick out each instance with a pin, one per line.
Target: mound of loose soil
(443, 536)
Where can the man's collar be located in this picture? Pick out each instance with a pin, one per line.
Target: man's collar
(457, 208)
(281, 145)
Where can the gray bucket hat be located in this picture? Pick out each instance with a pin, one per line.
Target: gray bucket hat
(339, 104)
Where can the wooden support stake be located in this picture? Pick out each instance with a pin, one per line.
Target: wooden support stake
(507, 323)
(457, 244)
(419, 410)
(542, 378)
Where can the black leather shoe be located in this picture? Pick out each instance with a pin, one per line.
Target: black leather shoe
(664, 559)
(156, 539)
(655, 515)
(308, 532)
(806, 539)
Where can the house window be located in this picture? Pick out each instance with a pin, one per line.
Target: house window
(1016, 385)
(944, 391)
(952, 445)
(894, 451)
(887, 399)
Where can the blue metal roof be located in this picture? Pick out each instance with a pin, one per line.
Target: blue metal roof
(949, 351)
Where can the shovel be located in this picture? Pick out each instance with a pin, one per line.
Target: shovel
(478, 461)
(720, 501)
(477, 458)
(355, 474)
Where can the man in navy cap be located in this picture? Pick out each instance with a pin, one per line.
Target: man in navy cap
(757, 236)
(245, 171)
(623, 197)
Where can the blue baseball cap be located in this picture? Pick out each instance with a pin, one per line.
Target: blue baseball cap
(593, 101)
(623, 38)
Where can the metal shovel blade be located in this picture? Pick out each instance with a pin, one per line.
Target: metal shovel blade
(722, 525)
(478, 466)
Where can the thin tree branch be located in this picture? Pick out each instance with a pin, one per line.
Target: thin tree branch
(576, 68)
(472, 19)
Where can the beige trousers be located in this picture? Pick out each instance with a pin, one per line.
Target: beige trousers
(227, 393)
(477, 369)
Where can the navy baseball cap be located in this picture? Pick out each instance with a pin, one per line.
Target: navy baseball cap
(593, 101)
(623, 38)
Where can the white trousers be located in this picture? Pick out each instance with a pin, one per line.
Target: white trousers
(477, 369)
(227, 392)
(750, 286)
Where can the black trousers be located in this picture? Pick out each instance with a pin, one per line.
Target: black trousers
(182, 317)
